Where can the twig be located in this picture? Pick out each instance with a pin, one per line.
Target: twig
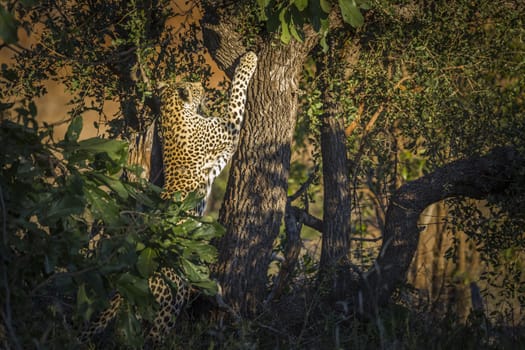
(305, 185)
(363, 239)
(460, 67)
(270, 328)
(373, 120)
(10, 47)
(401, 81)
(350, 129)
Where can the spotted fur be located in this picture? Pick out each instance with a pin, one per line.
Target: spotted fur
(197, 148)
(195, 151)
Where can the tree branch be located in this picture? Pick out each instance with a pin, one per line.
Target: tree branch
(305, 185)
(475, 177)
(307, 219)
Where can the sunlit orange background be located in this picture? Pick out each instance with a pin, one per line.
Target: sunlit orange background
(52, 107)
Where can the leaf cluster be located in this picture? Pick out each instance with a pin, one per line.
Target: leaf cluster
(74, 232)
(289, 17)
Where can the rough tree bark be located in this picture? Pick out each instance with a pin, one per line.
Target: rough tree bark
(336, 183)
(475, 178)
(255, 197)
(336, 204)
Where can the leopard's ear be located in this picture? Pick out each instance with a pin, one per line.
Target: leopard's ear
(184, 93)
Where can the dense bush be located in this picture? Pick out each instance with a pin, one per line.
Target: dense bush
(55, 197)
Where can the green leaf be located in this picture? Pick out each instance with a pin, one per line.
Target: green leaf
(364, 4)
(316, 14)
(194, 272)
(146, 263)
(74, 129)
(301, 4)
(185, 228)
(295, 34)
(199, 276)
(131, 329)
(272, 24)
(8, 26)
(192, 200)
(113, 184)
(209, 287)
(324, 35)
(285, 32)
(49, 264)
(326, 6)
(262, 9)
(205, 251)
(84, 302)
(102, 204)
(351, 13)
(82, 297)
(208, 232)
(63, 206)
(404, 173)
(139, 196)
(96, 284)
(115, 149)
(133, 287)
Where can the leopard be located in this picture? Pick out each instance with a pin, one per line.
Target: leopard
(195, 150)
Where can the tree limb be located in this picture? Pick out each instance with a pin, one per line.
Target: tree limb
(306, 218)
(475, 177)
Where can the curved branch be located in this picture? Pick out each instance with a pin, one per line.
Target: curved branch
(474, 177)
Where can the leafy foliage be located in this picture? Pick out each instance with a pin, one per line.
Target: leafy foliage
(100, 52)
(422, 85)
(53, 196)
(290, 16)
(75, 231)
(444, 79)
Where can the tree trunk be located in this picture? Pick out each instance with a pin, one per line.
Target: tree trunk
(336, 203)
(336, 186)
(255, 197)
(474, 177)
(332, 74)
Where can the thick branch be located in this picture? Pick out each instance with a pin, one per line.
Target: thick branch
(474, 177)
